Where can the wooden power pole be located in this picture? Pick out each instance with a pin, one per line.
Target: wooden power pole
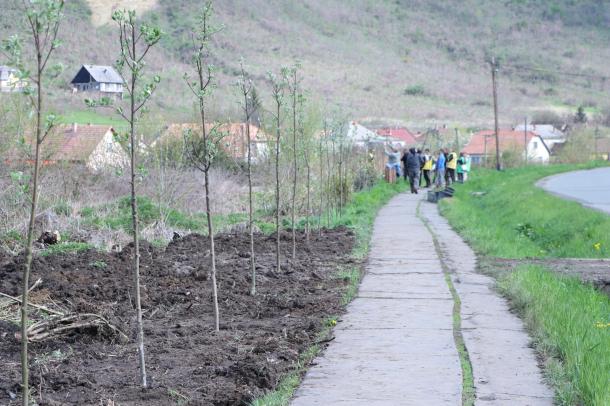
(525, 139)
(494, 80)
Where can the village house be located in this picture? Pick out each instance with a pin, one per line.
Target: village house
(521, 144)
(400, 134)
(93, 146)
(553, 138)
(360, 136)
(9, 82)
(234, 138)
(98, 79)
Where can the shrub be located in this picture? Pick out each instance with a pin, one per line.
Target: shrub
(415, 90)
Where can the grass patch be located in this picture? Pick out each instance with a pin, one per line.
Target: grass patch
(92, 117)
(65, 247)
(117, 215)
(516, 219)
(359, 215)
(571, 322)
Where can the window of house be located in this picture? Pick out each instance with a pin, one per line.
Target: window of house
(535, 144)
(109, 147)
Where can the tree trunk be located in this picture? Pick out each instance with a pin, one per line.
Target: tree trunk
(295, 166)
(134, 218)
(250, 205)
(208, 210)
(25, 369)
(212, 249)
(277, 189)
(321, 208)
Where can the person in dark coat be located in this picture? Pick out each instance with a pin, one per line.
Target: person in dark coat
(412, 166)
(405, 155)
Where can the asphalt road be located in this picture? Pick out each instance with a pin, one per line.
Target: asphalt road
(591, 187)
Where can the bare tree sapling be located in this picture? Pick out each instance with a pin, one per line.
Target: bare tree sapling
(43, 22)
(250, 106)
(202, 150)
(135, 40)
(278, 86)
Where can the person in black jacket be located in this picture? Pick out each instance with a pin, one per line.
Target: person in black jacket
(412, 168)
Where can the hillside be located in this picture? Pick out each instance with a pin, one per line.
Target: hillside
(418, 61)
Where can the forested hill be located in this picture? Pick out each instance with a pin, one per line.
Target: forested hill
(415, 60)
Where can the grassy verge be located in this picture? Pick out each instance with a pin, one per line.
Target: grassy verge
(570, 321)
(503, 214)
(358, 215)
(512, 218)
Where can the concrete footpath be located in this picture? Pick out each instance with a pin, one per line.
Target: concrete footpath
(395, 344)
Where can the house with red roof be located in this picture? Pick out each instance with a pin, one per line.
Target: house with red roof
(522, 144)
(406, 137)
(234, 138)
(94, 146)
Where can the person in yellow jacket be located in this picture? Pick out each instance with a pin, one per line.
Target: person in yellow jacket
(427, 166)
(451, 166)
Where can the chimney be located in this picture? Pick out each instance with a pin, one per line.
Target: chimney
(74, 127)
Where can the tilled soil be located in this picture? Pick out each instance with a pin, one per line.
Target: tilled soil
(260, 340)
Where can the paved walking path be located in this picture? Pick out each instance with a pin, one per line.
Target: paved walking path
(395, 344)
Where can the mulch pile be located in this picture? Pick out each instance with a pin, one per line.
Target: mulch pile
(260, 340)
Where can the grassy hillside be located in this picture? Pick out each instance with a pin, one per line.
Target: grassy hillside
(415, 60)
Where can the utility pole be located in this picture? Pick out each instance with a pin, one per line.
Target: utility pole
(525, 139)
(494, 80)
(457, 141)
(596, 136)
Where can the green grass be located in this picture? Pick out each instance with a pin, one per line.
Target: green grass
(117, 215)
(65, 247)
(92, 117)
(516, 219)
(359, 215)
(571, 322)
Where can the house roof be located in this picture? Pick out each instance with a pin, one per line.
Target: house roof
(399, 133)
(102, 74)
(359, 133)
(175, 131)
(74, 142)
(545, 131)
(508, 139)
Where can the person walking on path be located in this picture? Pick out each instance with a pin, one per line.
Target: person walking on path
(426, 167)
(393, 160)
(412, 166)
(461, 163)
(440, 169)
(403, 159)
(451, 166)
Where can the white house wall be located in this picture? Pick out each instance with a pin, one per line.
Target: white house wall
(107, 155)
(536, 151)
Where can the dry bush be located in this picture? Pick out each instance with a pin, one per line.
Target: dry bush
(580, 146)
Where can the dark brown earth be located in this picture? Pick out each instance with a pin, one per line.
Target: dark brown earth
(594, 271)
(260, 340)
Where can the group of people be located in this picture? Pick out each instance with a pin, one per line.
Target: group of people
(443, 168)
